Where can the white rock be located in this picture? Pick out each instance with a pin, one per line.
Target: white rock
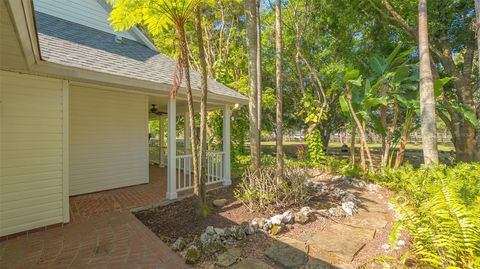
(349, 208)
(267, 225)
(373, 187)
(401, 243)
(277, 219)
(210, 230)
(220, 231)
(287, 217)
(306, 211)
(386, 247)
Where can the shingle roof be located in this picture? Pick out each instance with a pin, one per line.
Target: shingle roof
(68, 43)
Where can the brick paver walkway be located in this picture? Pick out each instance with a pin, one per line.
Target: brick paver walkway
(102, 234)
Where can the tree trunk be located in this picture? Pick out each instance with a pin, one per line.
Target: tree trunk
(202, 206)
(186, 72)
(363, 138)
(407, 125)
(352, 142)
(477, 14)
(390, 134)
(278, 76)
(259, 65)
(251, 23)
(427, 97)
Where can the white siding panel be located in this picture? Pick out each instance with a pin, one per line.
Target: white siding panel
(31, 152)
(85, 12)
(108, 140)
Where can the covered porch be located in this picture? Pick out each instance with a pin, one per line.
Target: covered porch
(170, 146)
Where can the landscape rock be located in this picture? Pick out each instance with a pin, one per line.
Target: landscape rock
(267, 225)
(307, 211)
(258, 223)
(210, 230)
(276, 220)
(349, 208)
(373, 187)
(237, 232)
(250, 263)
(220, 202)
(229, 257)
(301, 218)
(249, 229)
(336, 211)
(179, 244)
(287, 252)
(220, 231)
(288, 217)
(212, 247)
(191, 254)
(276, 229)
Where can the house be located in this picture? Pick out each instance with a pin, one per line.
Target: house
(75, 100)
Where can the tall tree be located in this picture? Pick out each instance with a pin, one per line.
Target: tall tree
(156, 16)
(279, 86)
(253, 106)
(427, 96)
(259, 64)
(201, 186)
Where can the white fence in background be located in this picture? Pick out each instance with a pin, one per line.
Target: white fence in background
(184, 170)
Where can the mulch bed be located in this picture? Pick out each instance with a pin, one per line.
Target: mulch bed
(179, 219)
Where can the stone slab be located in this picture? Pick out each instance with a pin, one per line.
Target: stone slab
(341, 240)
(374, 220)
(287, 252)
(250, 263)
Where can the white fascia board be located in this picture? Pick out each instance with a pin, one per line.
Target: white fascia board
(21, 12)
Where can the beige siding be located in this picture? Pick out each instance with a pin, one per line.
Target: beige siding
(108, 140)
(85, 12)
(32, 159)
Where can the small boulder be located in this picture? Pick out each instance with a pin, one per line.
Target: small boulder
(336, 212)
(220, 231)
(191, 254)
(276, 220)
(213, 247)
(229, 257)
(220, 202)
(288, 217)
(301, 218)
(267, 225)
(210, 230)
(248, 229)
(258, 223)
(237, 232)
(179, 244)
(349, 208)
(276, 229)
(306, 210)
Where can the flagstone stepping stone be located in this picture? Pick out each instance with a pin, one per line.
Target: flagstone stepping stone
(289, 253)
(341, 240)
(374, 220)
(250, 263)
(229, 257)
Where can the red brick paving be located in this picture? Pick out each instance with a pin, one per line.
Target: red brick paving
(102, 234)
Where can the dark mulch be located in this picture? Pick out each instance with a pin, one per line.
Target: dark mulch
(179, 219)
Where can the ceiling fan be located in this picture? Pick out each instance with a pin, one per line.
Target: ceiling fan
(155, 111)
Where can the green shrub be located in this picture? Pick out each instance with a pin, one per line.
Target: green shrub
(440, 209)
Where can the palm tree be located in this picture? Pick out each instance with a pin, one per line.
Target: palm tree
(251, 22)
(157, 15)
(278, 78)
(427, 96)
(203, 114)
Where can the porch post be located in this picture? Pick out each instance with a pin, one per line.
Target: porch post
(226, 146)
(161, 143)
(186, 134)
(172, 149)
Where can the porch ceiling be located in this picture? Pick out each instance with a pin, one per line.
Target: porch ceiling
(182, 106)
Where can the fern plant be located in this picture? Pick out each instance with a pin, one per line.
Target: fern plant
(438, 210)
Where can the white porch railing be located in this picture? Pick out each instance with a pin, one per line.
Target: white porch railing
(184, 170)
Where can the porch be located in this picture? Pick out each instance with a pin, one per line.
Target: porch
(170, 147)
(126, 199)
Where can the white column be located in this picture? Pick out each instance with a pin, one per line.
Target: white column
(161, 142)
(226, 146)
(172, 150)
(186, 134)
